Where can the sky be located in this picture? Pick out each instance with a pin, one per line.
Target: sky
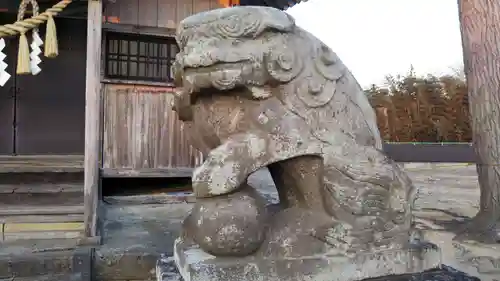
(375, 38)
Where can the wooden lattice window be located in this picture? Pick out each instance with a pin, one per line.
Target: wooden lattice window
(139, 57)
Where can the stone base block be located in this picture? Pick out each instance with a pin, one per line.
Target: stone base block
(477, 259)
(196, 265)
(473, 258)
(166, 270)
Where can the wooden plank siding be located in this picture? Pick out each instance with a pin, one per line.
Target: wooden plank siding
(143, 133)
(142, 136)
(156, 13)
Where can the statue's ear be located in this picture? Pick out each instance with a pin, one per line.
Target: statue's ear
(321, 85)
(282, 62)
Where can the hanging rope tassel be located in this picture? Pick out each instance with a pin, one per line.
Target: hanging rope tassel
(21, 27)
(27, 24)
(23, 56)
(51, 45)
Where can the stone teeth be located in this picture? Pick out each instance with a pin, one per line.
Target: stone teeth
(35, 53)
(4, 75)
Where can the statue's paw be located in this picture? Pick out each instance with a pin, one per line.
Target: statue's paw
(216, 176)
(201, 183)
(213, 183)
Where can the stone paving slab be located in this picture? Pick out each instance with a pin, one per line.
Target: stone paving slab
(65, 265)
(48, 277)
(196, 265)
(134, 236)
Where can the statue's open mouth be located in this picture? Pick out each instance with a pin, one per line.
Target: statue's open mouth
(221, 76)
(241, 78)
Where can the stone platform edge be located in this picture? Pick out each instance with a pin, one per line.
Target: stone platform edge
(193, 264)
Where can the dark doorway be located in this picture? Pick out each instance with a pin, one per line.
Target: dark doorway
(47, 111)
(7, 102)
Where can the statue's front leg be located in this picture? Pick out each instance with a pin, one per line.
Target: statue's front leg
(229, 217)
(228, 166)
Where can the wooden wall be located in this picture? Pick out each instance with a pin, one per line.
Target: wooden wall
(142, 135)
(156, 13)
(141, 131)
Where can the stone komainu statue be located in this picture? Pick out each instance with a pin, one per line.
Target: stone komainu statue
(258, 91)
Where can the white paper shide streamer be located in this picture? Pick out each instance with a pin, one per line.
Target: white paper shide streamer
(4, 76)
(35, 53)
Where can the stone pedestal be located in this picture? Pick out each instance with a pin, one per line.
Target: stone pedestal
(166, 270)
(196, 265)
(475, 259)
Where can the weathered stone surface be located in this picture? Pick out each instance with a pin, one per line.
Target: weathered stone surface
(166, 270)
(445, 273)
(244, 214)
(48, 277)
(196, 265)
(55, 265)
(261, 92)
(134, 236)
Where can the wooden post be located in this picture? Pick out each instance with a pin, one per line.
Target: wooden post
(92, 116)
(480, 28)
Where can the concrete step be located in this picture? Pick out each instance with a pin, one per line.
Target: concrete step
(37, 218)
(52, 265)
(12, 232)
(12, 210)
(50, 188)
(31, 209)
(40, 194)
(40, 222)
(41, 210)
(22, 164)
(48, 277)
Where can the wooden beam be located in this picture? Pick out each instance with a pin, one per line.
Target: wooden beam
(143, 30)
(92, 117)
(147, 173)
(41, 164)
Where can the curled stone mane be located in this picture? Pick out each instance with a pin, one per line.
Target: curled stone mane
(254, 47)
(237, 22)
